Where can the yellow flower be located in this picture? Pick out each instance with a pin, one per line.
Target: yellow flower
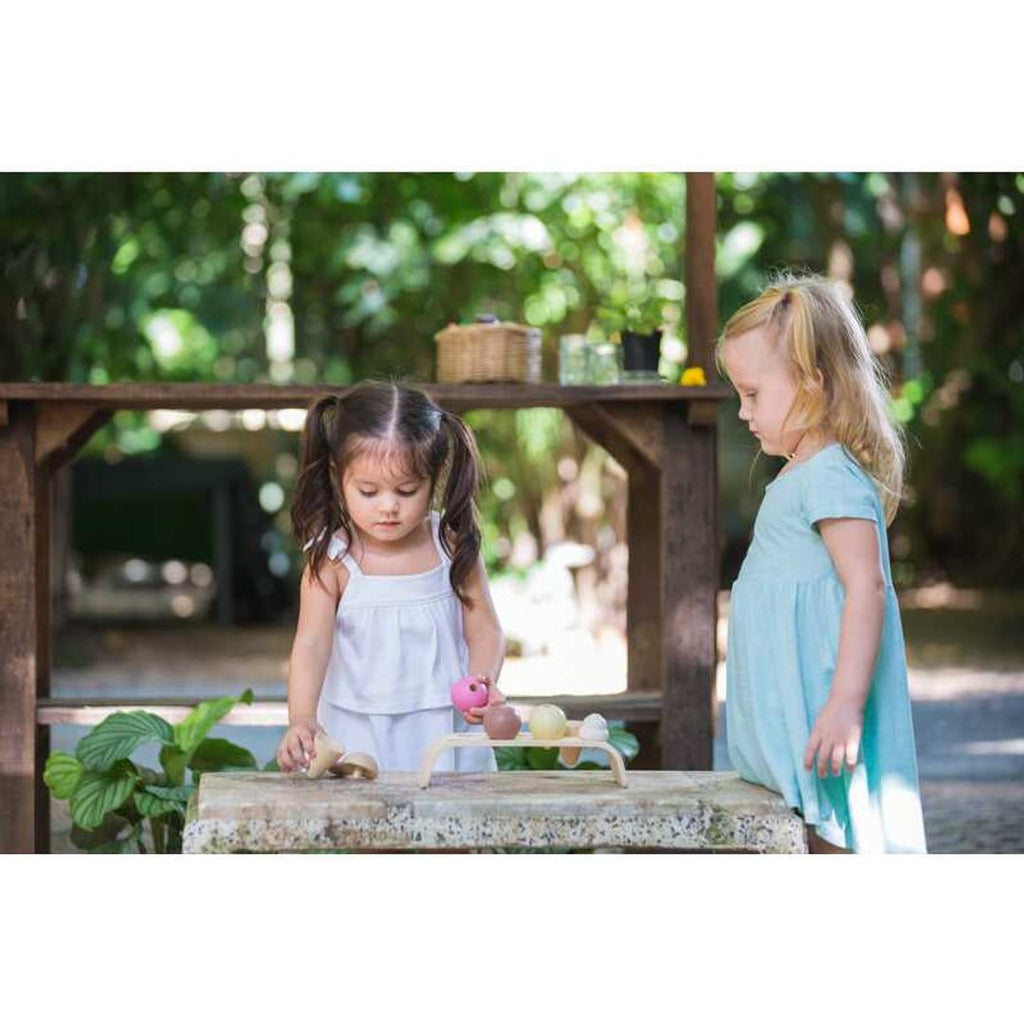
(693, 376)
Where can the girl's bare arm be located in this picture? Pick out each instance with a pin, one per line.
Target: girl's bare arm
(836, 734)
(853, 547)
(314, 635)
(484, 637)
(311, 650)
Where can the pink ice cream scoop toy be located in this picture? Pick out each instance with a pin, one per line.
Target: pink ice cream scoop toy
(469, 692)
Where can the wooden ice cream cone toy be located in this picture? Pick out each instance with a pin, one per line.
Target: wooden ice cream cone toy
(570, 755)
(325, 754)
(356, 766)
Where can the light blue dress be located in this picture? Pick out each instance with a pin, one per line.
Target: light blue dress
(784, 621)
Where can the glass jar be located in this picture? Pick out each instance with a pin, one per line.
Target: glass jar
(604, 363)
(573, 359)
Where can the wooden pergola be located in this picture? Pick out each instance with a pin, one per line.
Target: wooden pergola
(664, 436)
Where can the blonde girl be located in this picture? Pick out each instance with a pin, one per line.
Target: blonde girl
(817, 705)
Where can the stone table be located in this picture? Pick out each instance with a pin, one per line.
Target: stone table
(262, 812)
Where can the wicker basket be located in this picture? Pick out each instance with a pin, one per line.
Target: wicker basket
(488, 351)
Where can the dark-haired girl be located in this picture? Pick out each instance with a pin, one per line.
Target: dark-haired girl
(394, 602)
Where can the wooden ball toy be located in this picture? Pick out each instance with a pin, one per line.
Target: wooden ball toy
(469, 692)
(548, 722)
(594, 727)
(502, 722)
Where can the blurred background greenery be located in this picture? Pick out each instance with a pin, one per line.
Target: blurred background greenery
(334, 277)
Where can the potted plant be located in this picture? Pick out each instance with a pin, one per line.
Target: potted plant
(637, 321)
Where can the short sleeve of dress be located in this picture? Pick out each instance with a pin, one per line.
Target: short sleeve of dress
(837, 488)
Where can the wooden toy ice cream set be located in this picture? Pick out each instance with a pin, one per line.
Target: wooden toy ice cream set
(548, 727)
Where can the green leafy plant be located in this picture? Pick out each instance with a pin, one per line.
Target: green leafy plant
(111, 798)
(545, 759)
(639, 312)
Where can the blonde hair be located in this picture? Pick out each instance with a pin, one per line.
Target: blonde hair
(840, 386)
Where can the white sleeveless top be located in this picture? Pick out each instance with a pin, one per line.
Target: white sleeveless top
(399, 642)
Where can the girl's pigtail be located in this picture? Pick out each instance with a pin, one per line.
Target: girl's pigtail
(458, 518)
(810, 406)
(316, 507)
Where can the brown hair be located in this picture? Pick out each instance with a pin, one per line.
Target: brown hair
(393, 422)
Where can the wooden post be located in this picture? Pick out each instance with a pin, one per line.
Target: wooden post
(689, 556)
(689, 502)
(643, 593)
(18, 630)
(44, 608)
(701, 287)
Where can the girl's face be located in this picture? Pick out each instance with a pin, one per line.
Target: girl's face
(383, 500)
(761, 377)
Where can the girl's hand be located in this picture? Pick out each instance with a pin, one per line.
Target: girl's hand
(296, 747)
(475, 716)
(835, 737)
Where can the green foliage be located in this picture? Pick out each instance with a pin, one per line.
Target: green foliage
(62, 773)
(118, 736)
(189, 732)
(156, 276)
(637, 311)
(111, 798)
(98, 792)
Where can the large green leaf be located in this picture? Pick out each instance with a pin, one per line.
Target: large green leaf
(179, 793)
(100, 792)
(62, 773)
(155, 801)
(189, 732)
(624, 742)
(214, 755)
(510, 759)
(542, 759)
(173, 760)
(118, 735)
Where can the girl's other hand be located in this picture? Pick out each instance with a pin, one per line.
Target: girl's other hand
(835, 738)
(296, 747)
(475, 716)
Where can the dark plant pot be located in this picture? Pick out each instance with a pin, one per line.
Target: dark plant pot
(641, 352)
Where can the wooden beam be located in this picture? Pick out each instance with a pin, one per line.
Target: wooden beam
(62, 429)
(689, 561)
(62, 711)
(114, 397)
(602, 431)
(702, 414)
(18, 632)
(701, 287)
(638, 425)
(630, 434)
(630, 707)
